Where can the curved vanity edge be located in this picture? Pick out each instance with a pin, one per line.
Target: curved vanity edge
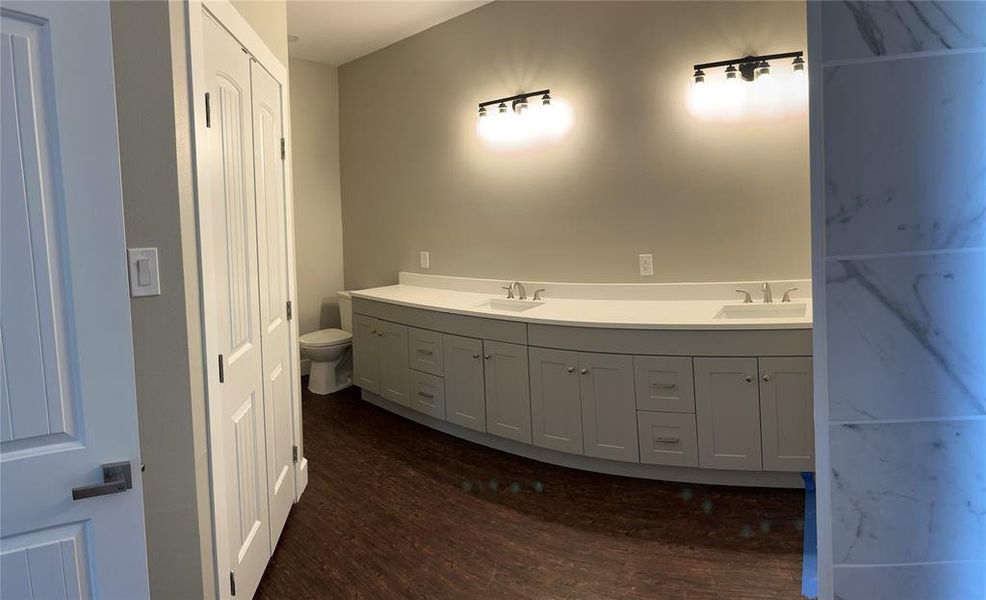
(692, 475)
(532, 317)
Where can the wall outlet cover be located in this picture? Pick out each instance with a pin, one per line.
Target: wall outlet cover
(424, 259)
(646, 264)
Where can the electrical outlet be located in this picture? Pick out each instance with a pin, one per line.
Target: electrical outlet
(646, 264)
(424, 259)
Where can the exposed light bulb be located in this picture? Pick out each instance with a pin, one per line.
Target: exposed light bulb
(763, 70)
(520, 106)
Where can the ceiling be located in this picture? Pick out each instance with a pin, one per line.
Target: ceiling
(336, 32)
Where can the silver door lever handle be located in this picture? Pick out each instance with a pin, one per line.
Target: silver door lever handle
(116, 478)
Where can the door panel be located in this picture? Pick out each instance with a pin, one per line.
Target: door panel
(556, 405)
(393, 362)
(67, 392)
(235, 268)
(508, 391)
(786, 414)
(366, 353)
(727, 403)
(609, 411)
(275, 333)
(465, 389)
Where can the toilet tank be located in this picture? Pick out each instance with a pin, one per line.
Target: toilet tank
(346, 311)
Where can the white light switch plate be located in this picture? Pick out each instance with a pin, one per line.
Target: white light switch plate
(424, 259)
(646, 264)
(144, 280)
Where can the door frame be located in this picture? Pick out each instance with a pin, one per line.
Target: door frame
(230, 19)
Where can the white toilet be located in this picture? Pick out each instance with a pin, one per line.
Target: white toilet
(328, 351)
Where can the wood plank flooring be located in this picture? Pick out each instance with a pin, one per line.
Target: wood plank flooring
(396, 510)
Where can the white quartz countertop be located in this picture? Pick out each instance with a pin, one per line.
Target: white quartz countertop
(583, 312)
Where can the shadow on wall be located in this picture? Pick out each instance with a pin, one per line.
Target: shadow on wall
(329, 313)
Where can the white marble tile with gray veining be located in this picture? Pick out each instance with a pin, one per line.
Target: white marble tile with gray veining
(941, 581)
(907, 336)
(863, 29)
(908, 492)
(904, 155)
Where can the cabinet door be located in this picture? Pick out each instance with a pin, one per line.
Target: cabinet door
(556, 405)
(786, 422)
(727, 405)
(508, 391)
(667, 438)
(393, 361)
(366, 354)
(609, 411)
(465, 395)
(664, 383)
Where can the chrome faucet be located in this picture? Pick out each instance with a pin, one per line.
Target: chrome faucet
(521, 292)
(768, 296)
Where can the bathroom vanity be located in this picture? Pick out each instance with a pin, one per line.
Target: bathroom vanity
(682, 382)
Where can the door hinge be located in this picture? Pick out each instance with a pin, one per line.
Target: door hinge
(222, 368)
(290, 311)
(283, 151)
(232, 583)
(294, 453)
(208, 111)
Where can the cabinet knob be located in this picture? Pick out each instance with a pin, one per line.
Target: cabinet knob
(570, 369)
(380, 333)
(748, 378)
(475, 354)
(583, 371)
(373, 331)
(488, 356)
(766, 377)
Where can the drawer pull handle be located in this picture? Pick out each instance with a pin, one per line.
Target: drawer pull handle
(426, 394)
(423, 351)
(664, 386)
(667, 440)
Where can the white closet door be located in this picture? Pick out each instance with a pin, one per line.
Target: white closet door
(275, 331)
(229, 191)
(67, 399)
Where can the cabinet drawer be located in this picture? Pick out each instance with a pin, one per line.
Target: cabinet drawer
(667, 438)
(424, 351)
(427, 394)
(664, 383)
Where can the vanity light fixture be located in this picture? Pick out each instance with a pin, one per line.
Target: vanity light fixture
(518, 120)
(750, 67)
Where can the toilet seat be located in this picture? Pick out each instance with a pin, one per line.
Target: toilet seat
(325, 338)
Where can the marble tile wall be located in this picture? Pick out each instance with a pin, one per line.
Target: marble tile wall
(904, 139)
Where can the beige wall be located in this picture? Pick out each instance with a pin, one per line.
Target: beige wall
(314, 143)
(638, 174)
(269, 18)
(151, 79)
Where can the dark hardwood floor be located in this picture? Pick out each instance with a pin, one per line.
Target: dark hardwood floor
(396, 510)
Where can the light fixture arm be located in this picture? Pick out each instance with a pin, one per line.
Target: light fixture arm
(746, 60)
(513, 100)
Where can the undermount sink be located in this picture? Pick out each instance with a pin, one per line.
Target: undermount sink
(779, 310)
(511, 304)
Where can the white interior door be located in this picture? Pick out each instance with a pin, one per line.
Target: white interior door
(272, 241)
(67, 395)
(241, 461)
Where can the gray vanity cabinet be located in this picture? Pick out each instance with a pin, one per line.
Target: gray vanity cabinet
(556, 400)
(366, 353)
(609, 409)
(392, 340)
(786, 417)
(727, 403)
(508, 392)
(465, 390)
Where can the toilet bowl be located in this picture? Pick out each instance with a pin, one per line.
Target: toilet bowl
(328, 351)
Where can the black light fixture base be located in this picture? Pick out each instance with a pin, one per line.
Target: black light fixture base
(748, 70)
